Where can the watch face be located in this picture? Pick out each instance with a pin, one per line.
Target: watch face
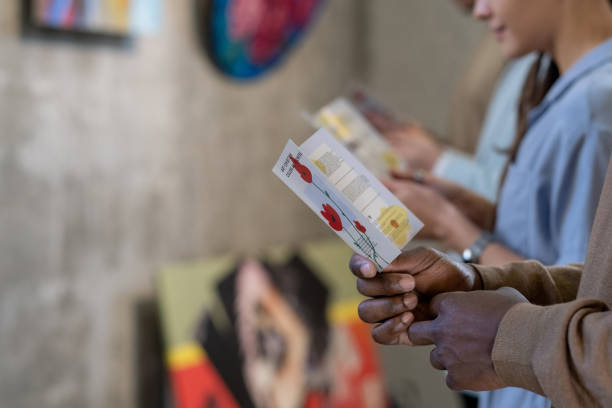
(245, 38)
(467, 255)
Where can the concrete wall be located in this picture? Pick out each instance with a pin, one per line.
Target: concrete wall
(417, 50)
(115, 161)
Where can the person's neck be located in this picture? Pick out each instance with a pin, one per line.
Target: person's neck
(585, 25)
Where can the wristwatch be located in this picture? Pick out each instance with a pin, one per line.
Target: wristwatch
(473, 253)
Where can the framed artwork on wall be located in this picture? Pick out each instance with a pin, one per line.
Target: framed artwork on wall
(246, 38)
(105, 21)
(109, 18)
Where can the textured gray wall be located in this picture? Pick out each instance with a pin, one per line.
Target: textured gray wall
(416, 51)
(116, 161)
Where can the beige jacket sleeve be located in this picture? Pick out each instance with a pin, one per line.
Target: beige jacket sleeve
(540, 285)
(561, 350)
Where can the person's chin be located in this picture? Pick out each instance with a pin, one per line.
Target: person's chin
(511, 51)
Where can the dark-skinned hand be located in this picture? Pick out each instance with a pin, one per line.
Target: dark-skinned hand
(462, 324)
(402, 291)
(464, 332)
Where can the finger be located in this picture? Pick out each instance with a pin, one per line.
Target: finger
(400, 133)
(388, 284)
(421, 312)
(378, 310)
(422, 333)
(414, 261)
(451, 382)
(416, 176)
(393, 185)
(435, 358)
(403, 339)
(440, 302)
(362, 267)
(393, 331)
(402, 175)
(381, 122)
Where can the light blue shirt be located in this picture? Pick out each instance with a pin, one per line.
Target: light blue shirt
(483, 171)
(548, 200)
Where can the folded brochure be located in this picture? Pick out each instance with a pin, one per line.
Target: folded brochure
(347, 124)
(348, 197)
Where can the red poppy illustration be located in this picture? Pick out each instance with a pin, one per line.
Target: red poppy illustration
(332, 217)
(360, 227)
(303, 170)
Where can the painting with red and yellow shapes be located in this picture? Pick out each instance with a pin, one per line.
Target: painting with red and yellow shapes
(278, 331)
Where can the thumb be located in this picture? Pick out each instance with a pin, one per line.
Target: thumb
(414, 261)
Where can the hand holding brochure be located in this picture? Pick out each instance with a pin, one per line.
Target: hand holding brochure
(346, 196)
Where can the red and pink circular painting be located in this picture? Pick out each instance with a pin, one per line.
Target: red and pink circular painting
(246, 38)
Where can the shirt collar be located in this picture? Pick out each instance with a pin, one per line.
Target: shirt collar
(591, 61)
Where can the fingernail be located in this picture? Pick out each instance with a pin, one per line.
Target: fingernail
(407, 283)
(406, 318)
(409, 301)
(367, 270)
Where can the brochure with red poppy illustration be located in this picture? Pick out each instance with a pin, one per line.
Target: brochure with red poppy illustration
(347, 197)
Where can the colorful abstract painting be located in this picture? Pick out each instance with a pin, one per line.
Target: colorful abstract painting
(107, 16)
(279, 331)
(245, 38)
(98, 17)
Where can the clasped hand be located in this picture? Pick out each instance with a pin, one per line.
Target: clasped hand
(423, 298)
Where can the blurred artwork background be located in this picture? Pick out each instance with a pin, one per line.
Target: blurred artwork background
(118, 161)
(103, 17)
(246, 38)
(281, 331)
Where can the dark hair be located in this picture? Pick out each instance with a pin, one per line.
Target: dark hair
(540, 79)
(537, 84)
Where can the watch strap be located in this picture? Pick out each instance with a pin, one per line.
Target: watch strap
(473, 253)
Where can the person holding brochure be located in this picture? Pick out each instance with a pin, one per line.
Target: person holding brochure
(560, 157)
(558, 161)
(485, 104)
(564, 140)
(543, 329)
